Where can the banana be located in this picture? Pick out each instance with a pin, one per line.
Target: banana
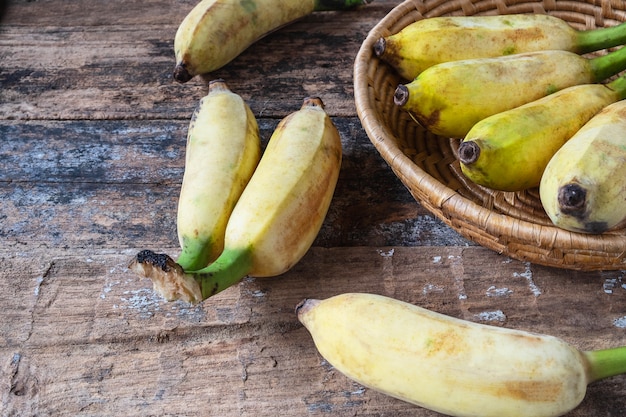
(223, 150)
(583, 188)
(434, 40)
(510, 150)
(449, 98)
(452, 366)
(278, 215)
(215, 32)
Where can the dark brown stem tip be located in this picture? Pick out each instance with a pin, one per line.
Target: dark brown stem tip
(469, 152)
(181, 74)
(401, 95)
(379, 46)
(218, 85)
(305, 306)
(300, 305)
(159, 260)
(312, 102)
(572, 198)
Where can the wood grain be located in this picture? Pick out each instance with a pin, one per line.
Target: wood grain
(92, 148)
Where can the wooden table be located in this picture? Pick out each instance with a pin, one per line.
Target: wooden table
(92, 143)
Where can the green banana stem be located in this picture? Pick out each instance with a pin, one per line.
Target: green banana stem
(606, 363)
(194, 255)
(608, 65)
(321, 5)
(601, 38)
(619, 86)
(228, 269)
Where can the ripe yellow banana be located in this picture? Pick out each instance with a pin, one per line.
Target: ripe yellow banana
(217, 31)
(278, 215)
(449, 98)
(223, 150)
(455, 367)
(510, 150)
(434, 40)
(583, 188)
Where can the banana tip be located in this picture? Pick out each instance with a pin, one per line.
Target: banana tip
(468, 152)
(401, 95)
(379, 46)
(313, 101)
(305, 306)
(572, 199)
(181, 74)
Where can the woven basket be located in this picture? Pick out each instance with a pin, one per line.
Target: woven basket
(513, 224)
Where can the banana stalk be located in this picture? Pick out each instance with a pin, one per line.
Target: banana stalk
(216, 31)
(583, 188)
(277, 217)
(510, 150)
(434, 40)
(452, 366)
(449, 98)
(223, 150)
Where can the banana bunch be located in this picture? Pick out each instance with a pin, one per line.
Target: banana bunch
(276, 218)
(510, 150)
(583, 187)
(452, 366)
(434, 40)
(215, 32)
(449, 98)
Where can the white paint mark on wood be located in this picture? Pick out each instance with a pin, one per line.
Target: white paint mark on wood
(496, 315)
(493, 291)
(528, 275)
(387, 254)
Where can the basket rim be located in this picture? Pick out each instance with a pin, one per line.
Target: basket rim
(450, 203)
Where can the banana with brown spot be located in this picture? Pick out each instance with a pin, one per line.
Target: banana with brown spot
(452, 366)
(583, 188)
(434, 40)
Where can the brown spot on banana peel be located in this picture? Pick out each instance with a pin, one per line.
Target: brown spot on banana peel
(572, 199)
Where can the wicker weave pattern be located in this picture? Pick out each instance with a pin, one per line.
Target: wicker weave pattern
(513, 224)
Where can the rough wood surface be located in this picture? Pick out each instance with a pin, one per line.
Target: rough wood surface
(92, 135)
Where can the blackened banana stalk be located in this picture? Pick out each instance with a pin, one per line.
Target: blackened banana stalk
(217, 31)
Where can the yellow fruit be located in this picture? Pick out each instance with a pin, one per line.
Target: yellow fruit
(509, 150)
(434, 40)
(449, 98)
(278, 215)
(583, 188)
(217, 31)
(455, 367)
(223, 150)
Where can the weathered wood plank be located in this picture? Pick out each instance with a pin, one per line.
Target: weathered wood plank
(92, 339)
(93, 132)
(57, 68)
(116, 184)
